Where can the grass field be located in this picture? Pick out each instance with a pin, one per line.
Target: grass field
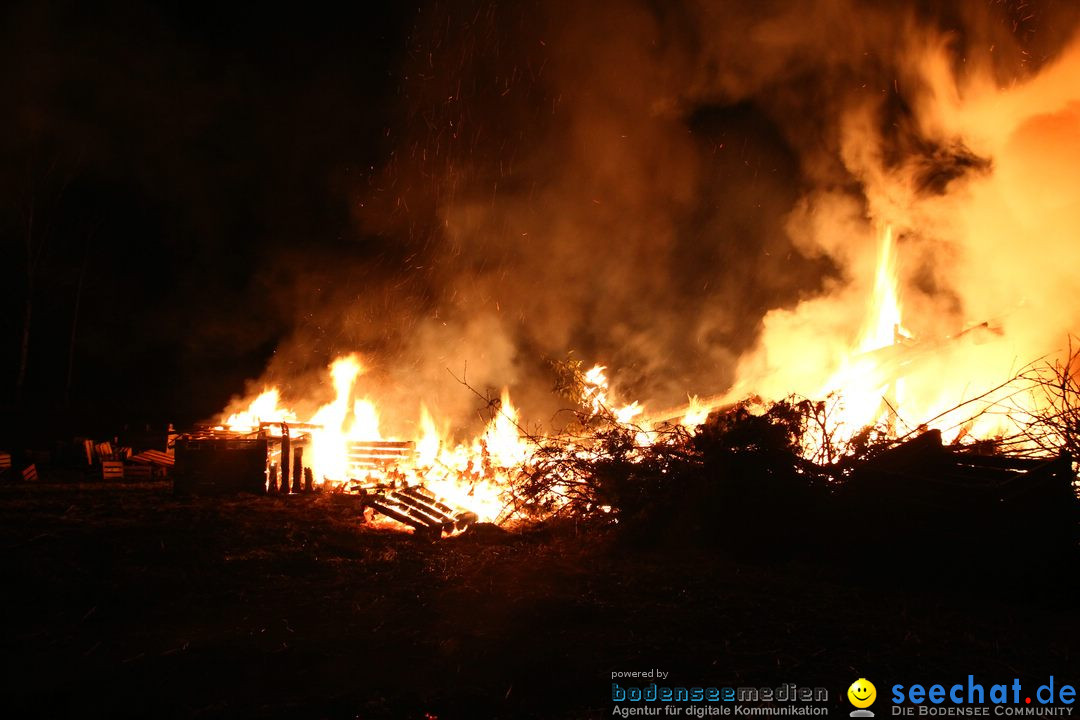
(123, 601)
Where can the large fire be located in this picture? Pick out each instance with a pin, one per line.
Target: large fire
(880, 345)
(472, 474)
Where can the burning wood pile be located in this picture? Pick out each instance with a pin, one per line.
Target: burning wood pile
(612, 461)
(882, 386)
(270, 459)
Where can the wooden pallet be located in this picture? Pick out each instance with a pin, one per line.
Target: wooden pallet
(372, 455)
(417, 507)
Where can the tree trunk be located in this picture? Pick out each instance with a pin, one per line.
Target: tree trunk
(75, 324)
(28, 308)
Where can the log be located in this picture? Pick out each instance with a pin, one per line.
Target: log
(466, 518)
(298, 468)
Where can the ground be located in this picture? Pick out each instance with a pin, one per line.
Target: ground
(122, 600)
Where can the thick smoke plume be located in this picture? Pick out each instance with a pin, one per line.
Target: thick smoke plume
(691, 193)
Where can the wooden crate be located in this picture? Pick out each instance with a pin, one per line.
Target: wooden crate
(112, 470)
(220, 465)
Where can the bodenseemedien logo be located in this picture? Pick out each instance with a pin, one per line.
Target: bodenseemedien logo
(862, 694)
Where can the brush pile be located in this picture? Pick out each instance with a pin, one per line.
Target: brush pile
(751, 479)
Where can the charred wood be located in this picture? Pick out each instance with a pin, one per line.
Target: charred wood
(286, 452)
(298, 468)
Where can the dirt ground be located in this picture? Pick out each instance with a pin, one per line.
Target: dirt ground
(123, 601)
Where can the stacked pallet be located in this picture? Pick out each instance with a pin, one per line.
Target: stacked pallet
(375, 456)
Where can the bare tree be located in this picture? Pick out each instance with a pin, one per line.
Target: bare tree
(43, 199)
(75, 314)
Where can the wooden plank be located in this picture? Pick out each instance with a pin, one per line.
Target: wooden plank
(376, 456)
(112, 470)
(368, 465)
(154, 457)
(382, 444)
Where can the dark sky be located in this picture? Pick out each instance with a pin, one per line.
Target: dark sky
(164, 152)
(194, 194)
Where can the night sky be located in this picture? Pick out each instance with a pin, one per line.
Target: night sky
(194, 195)
(171, 155)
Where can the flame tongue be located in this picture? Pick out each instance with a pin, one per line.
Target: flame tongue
(862, 383)
(264, 408)
(883, 325)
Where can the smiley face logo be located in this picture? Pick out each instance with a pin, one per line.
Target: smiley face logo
(862, 693)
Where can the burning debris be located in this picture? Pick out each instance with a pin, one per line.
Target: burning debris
(931, 299)
(743, 459)
(431, 483)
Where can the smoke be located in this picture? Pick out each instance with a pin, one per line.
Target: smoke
(690, 192)
(980, 183)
